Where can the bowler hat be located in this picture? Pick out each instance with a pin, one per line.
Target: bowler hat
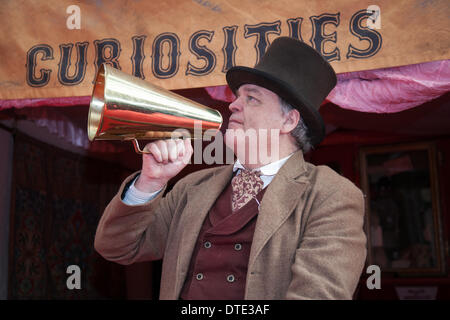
(297, 73)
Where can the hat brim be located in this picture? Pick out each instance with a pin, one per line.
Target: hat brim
(238, 76)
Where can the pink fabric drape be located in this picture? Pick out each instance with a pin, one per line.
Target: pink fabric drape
(379, 91)
(387, 90)
(68, 126)
(45, 102)
(393, 89)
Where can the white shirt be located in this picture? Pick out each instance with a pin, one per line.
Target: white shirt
(133, 196)
(268, 171)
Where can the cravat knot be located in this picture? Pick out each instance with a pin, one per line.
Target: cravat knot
(245, 185)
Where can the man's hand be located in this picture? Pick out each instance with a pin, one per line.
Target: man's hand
(166, 160)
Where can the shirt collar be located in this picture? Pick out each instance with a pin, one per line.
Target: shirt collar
(270, 169)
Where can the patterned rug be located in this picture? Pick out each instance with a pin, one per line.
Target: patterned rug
(57, 200)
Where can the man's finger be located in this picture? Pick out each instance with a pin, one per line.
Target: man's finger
(187, 151)
(153, 148)
(180, 147)
(172, 149)
(162, 145)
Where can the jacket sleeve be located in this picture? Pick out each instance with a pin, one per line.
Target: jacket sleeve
(331, 255)
(132, 233)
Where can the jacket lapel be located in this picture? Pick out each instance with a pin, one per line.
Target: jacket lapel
(280, 199)
(200, 199)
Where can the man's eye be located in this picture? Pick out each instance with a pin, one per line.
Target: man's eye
(251, 99)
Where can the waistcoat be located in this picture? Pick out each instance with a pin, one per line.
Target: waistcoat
(219, 262)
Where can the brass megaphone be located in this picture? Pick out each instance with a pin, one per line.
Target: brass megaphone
(124, 107)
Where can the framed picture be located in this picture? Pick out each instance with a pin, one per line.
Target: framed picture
(403, 221)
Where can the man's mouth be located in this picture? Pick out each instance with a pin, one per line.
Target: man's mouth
(234, 121)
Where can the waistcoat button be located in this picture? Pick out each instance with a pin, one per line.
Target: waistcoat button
(199, 276)
(231, 278)
(237, 246)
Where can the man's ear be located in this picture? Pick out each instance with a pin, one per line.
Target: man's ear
(290, 121)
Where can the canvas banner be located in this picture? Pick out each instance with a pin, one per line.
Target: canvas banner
(53, 48)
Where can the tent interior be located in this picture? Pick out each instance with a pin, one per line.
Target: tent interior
(55, 192)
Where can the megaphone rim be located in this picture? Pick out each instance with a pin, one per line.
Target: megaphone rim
(97, 104)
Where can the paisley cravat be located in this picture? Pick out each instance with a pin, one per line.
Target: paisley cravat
(245, 185)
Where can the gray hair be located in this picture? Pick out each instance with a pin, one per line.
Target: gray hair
(300, 132)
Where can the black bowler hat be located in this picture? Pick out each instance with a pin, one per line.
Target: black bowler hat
(297, 73)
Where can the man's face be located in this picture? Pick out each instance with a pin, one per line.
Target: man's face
(257, 111)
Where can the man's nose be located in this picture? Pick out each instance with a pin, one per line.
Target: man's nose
(236, 105)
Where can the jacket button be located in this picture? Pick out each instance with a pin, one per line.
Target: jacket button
(231, 278)
(207, 244)
(199, 276)
(237, 246)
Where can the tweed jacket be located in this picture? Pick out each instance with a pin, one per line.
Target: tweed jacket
(308, 243)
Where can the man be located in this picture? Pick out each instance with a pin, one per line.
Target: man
(278, 228)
